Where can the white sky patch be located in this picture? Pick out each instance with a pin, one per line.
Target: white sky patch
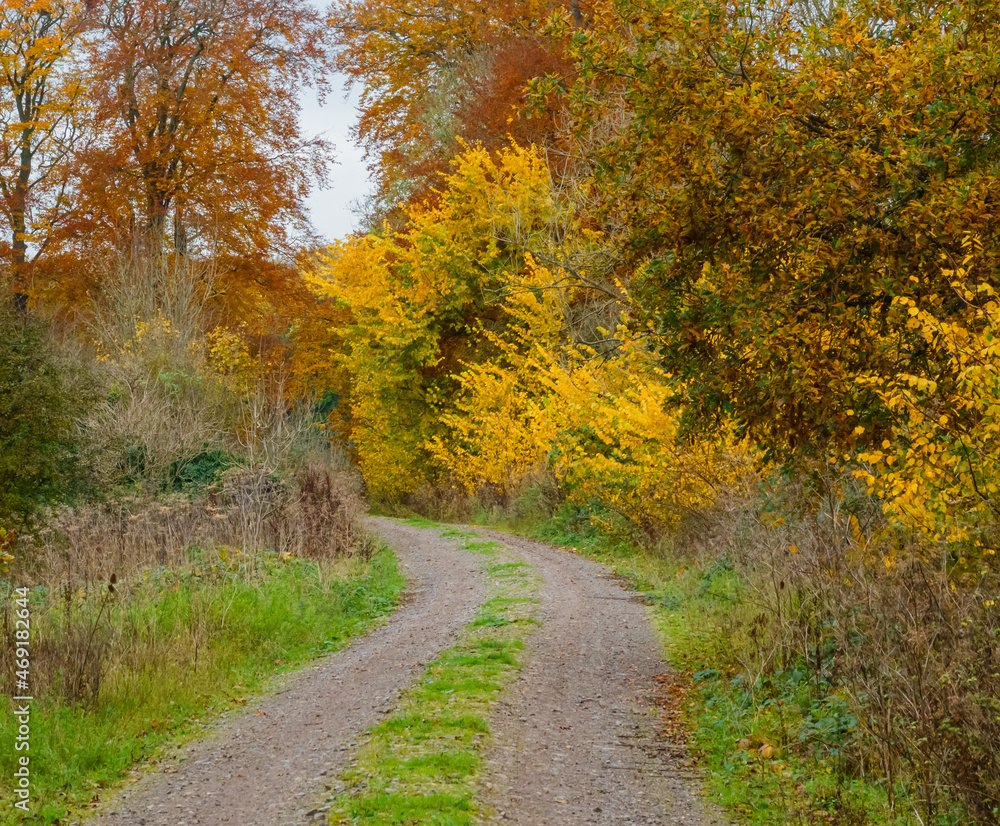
(330, 208)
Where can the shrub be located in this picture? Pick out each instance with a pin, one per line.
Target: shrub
(200, 470)
(40, 404)
(842, 615)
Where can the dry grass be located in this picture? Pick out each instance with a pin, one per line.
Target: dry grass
(316, 516)
(236, 529)
(897, 627)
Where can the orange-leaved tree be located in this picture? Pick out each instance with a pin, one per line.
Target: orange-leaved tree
(432, 73)
(196, 104)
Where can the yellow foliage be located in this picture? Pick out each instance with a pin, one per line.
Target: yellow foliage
(502, 424)
(230, 357)
(940, 472)
(498, 432)
(608, 427)
(461, 366)
(416, 303)
(621, 445)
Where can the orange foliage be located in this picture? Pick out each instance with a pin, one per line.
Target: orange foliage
(433, 73)
(199, 144)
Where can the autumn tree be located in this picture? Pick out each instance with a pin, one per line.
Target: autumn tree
(41, 98)
(785, 178)
(433, 73)
(415, 304)
(458, 357)
(197, 106)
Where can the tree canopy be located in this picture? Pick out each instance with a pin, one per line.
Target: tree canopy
(784, 178)
(432, 75)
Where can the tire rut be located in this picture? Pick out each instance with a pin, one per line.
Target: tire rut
(270, 763)
(576, 739)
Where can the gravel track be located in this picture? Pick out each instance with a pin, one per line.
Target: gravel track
(576, 739)
(270, 763)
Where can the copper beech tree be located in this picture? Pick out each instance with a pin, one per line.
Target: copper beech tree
(195, 102)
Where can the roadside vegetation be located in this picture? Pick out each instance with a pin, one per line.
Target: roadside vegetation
(120, 671)
(180, 531)
(768, 714)
(722, 298)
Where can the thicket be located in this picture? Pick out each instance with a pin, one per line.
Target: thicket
(187, 417)
(216, 534)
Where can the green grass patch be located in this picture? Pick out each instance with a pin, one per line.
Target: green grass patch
(418, 522)
(171, 651)
(422, 764)
(509, 569)
(458, 533)
(483, 547)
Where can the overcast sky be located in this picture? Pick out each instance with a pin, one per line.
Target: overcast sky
(330, 208)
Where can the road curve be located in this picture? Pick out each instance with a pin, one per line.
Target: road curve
(577, 738)
(267, 766)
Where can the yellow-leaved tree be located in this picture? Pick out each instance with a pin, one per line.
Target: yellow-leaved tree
(422, 302)
(469, 355)
(40, 108)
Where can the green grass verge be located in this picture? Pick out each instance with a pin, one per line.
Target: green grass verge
(193, 642)
(421, 764)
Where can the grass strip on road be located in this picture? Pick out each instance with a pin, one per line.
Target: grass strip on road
(422, 764)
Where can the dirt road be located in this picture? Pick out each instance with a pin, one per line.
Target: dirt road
(578, 740)
(574, 740)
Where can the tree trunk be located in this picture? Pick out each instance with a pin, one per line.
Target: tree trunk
(158, 211)
(180, 233)
(18, 201)
(19, 207)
